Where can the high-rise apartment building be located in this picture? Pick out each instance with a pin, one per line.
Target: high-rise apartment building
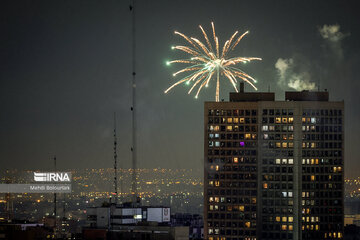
(274, 169)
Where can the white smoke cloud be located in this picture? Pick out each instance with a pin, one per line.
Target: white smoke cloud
(290, 78)
(332, 35)
(331, 32)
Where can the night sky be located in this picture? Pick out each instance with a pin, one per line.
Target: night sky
(65, 68)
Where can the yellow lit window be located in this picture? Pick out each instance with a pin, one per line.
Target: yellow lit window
(278, 161)
(229, 120)
(229, 208)
(303, 120)
(217, 167)
(291, 136)
(284, 219)
(278, 120)
(312, 145)
(217, 183)
(339, 169)
(211, 183)
(316, 227)
(236, 120)
(241, 208)
(312, 161)
(211, 207)
(236, 160)
(253, 200)
(291, 227)
(247, 224)
(216, 199)
(253, 136)
(216, 128)
(291, 144)
(284, 144)
(265, 185)
(291, 120)
(278, 145)
(242, 120)
(284, 120)
(283, 227)
(211, 199)
(229, 128)
(284, 137)
(312, 177)
(277, 219)
(317, 161)
(247, 136)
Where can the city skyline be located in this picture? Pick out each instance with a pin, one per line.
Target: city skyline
(65, 70)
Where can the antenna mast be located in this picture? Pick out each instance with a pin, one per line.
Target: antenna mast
(133, 109)
(115, 161)
(55, 225)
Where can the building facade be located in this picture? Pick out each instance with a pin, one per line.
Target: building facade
(274, 169)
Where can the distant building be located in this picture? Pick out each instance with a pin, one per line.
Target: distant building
(274, 169)
(127, 222)
(193, 221)
(114, 216)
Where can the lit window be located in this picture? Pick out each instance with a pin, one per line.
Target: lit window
(266, 136)
(236, 160)
(291, 144)
(265, 185)
(291, 128)
(284, 120)
(211, 183)
(211, 207)
(312, 177)
(216, 199)
(247, 136)
(229, 128)
(247, 224)
(210, 231)
(284, 161)
(303, 120)
(217, 144)
(217, 183)
(217, 167)
(265, 128)
(277, 161)
(229, 120)
(278, 144)
(222, 199)
(277, 219)
(291, 219)
(284, 194)
(291, 120)
(236, 120)
(291, 227)
(291, 161)
(283, 227)
(242, 120)
(211, 199)
(241, 208)
(278, 120)
(271, 128)
(290, 194)
(313, 120)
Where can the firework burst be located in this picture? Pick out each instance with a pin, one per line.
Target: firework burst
(209, 62)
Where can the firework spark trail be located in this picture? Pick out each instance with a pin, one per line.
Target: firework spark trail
(207, 62)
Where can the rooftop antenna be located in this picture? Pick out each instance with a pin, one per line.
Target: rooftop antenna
(55, 198)
(133, 109)
(115, 162)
